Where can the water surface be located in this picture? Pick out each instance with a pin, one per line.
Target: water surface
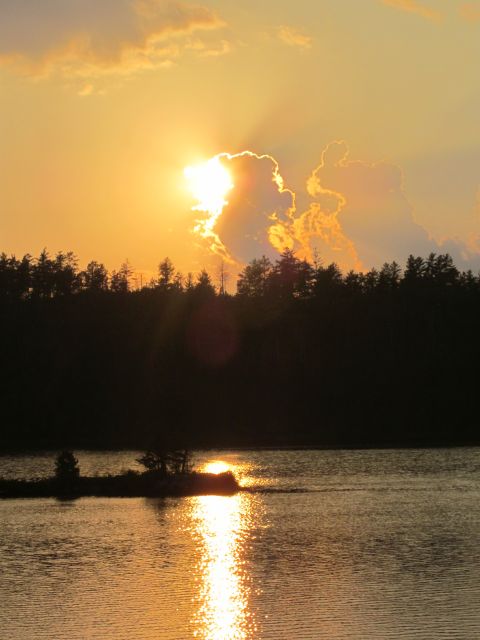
(336, 545)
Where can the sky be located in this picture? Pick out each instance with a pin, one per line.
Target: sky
(349, 128)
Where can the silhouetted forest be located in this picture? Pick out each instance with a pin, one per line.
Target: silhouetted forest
(301, 355)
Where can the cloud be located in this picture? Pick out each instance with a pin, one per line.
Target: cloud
(470, 11)
(357, 214)
(86, 90)
(294, 38)
(208, 49)
(374, 212)
(88, 38)
(317, 231)
(258, 208)
(374, 220)
(412, 6)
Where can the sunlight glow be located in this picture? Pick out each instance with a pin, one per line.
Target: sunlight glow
(216, 467)
(209, 183)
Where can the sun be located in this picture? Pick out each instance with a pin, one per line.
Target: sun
(209, 183)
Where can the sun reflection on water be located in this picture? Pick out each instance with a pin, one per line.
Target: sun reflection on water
(222, 523)
(217, 466)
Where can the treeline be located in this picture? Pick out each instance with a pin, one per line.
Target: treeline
(301, 355)
(49, 277)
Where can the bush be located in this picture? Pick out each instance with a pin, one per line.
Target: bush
(66, 467)
(164, 460)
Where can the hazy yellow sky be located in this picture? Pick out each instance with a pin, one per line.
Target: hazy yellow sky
(104, 102)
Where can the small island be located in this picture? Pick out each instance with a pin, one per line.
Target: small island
(168, 473)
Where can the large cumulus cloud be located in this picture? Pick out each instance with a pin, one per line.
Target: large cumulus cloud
(374, 212)
(357, 214)
(257, 212)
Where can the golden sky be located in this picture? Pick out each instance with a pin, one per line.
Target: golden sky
(361, 116)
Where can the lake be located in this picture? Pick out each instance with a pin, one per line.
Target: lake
(329, 545)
